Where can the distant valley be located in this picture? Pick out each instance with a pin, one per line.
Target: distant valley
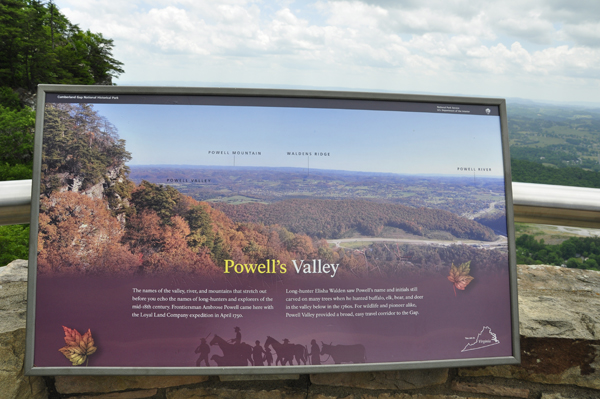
(260, 194)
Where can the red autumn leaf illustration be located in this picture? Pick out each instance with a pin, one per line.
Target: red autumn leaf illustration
(459, 276)
(79, 347)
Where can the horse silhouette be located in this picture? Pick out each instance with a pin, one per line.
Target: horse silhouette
(345, 353)
(219, 360)
(287, 352)
(233, 354)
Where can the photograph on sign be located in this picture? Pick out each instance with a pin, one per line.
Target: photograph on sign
(210, 233)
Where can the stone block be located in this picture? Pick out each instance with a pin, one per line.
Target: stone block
(222, 393)
(390, 396)
(490, 389)
(104, 384)
(124, 395)
(556, 302)
(409, 379)
(13, 384)
(13, 296)
(15, 271)
(13, 302)
(550, 361)
(578, 395)
(259, 377)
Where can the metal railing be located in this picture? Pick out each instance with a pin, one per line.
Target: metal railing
(558, 205)
(533, 203)
(15, 202)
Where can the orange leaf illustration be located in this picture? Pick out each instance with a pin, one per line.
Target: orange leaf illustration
(79, 347)
(460, 276)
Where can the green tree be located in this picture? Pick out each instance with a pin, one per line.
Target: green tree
(219, 251)
(532, 172)
(38, 44)
(568, 249)
(201, 233)
(161, 199)
(574, 263)
(81, 145)
(591, 264)
(14, 243)
(16, 143)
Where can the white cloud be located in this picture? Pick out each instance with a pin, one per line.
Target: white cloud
(529, 27)
(353, 14)
(587, 34)
(457, 46)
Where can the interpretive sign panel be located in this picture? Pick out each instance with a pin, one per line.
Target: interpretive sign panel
(212, 231)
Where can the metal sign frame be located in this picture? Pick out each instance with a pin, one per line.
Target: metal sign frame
(273, 98)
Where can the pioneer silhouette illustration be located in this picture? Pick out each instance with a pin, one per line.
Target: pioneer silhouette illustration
(203, 349)
(286, 351)
(345, 353)
(238, 353)
(233, 354)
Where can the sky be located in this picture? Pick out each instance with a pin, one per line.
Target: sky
(541, 50)
(354, 140)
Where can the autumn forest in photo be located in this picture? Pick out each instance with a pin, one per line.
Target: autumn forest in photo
(94, 219)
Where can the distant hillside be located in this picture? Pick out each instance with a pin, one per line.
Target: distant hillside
(532, 172)
(495, 220)
(331, 218)
(555, 135)
(555, 144)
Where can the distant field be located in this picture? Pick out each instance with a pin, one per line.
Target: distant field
(356, 245)
(567, 129)
(235, 186)
(553, 234)
(391, 232)
(555, 137)
(236, 199)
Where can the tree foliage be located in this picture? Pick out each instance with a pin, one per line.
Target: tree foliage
(16, 143)
(158, 198)
(332, 218)
(533, 172)
(78, 234)
(38, 44)
(80, 147)
(576, 252)
(14, 242)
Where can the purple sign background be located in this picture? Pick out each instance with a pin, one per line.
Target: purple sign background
(444, 326)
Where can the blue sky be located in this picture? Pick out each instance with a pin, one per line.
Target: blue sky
(545, 50)
(370, 141)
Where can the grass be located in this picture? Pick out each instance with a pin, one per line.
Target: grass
(236, 200)
(566, 132)
(356, 244)
(552, 234)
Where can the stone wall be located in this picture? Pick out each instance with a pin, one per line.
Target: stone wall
(560, 343)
